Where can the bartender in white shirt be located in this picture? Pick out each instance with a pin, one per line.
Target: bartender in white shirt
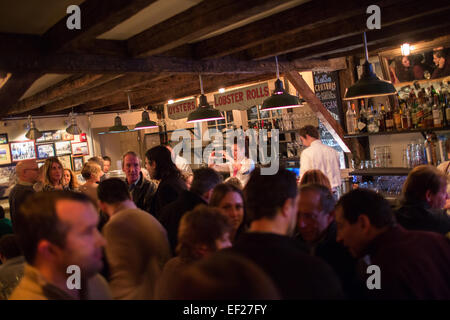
(319, 156)
(239, 166)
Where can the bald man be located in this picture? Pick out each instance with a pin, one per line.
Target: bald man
(27, 172)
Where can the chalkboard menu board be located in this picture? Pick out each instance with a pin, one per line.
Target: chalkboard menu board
(326, 87)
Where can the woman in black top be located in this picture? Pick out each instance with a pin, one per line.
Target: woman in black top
(158, 162)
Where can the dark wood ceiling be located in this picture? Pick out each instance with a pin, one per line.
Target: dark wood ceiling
(164, 60)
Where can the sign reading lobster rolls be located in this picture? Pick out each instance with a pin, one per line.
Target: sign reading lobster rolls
(181, 109)
(242, 98)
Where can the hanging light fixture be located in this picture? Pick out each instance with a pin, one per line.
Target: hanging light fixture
(280, 99)
(32, 133)
(204, 112)
(118, 126)
(73, 129)
(369, 85)
(146, 123)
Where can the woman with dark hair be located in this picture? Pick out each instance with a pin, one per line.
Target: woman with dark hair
(53, 175)
(158, 162)
(229, 199)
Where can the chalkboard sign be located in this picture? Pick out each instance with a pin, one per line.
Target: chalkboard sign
(326, 87)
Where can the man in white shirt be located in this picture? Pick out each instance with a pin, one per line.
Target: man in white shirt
(319, 156)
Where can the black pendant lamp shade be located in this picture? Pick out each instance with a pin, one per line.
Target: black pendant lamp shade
(204, 112)
(73, 129)
(32, 133)
(146, 123)
(117, 127)
(280, 99)
(369, 85)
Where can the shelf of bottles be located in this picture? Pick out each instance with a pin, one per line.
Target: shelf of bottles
(424, 109)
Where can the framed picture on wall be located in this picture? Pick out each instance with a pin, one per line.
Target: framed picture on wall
(77, 163)
(5, 154)
(62, 148)
(66, 161)
(3, 138)
(56, 135)
(80, 148)
(45, 150)
(23, 150)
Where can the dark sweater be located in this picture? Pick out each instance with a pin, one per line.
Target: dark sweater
(413, 264)
(296, 274)
(168, 191)
(420, 216)
(19, 193)
(171, 214)
(142, 193)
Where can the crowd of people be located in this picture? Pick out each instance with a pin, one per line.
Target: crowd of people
(267, 237)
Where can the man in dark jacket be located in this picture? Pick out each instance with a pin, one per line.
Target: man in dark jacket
(424, 197)
(27, 173)
(317, 231)
(403, 264)
(205, 179)
(271, 204)
(141, 189)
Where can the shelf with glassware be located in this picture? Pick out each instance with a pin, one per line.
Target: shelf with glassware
(423, 109)
(381, 172)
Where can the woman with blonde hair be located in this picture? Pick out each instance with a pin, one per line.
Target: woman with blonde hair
(91, 172)
(70, 180)
(53, 175)
(316, 176)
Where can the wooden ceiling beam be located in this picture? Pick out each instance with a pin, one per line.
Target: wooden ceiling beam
(197, 21)
(354, 25)
(70, 86)
(63, 63)
(375, 37)
(303, 17)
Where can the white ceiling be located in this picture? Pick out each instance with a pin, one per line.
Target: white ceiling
(32, 16)
(153, 14)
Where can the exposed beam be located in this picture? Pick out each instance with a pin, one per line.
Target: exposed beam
(62, 63)
(67, 87)
(17, 85)
(200, 20)
(397, 32)
(104, 90)
(303, 17)
(316, 105)
(344, 28)
(97, 17)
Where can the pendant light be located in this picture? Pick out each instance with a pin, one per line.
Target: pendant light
(204, 112)
(280, 99)
(118, 126)
(146, 123)
(32, 133)
(369, 85)
(73, 129)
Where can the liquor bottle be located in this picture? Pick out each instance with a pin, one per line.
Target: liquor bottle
(350, 118)
(372, 122)
(382, 117)
(436, 113)
(355, 118)
(389, 119)
(397, 119)
(404, 117)
(362, 121)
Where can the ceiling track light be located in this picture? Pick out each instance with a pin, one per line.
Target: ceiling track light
(280, 99)
(369, 85)
(204, 112)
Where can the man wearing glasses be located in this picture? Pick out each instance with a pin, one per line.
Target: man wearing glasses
(27, 172)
